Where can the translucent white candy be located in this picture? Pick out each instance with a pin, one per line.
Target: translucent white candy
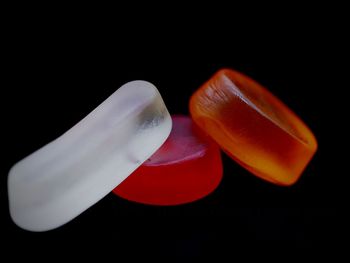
(64, 178)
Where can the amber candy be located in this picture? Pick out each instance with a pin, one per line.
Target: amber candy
(186, 168)
(253, 127)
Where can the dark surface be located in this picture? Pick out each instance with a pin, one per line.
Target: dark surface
(59, 77)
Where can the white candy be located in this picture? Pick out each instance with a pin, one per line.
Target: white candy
(62, 179)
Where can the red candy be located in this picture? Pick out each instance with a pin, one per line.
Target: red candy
(186, 168)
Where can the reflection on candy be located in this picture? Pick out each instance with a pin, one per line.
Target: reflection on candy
(253, 127)
(187, 167)
(64, 178)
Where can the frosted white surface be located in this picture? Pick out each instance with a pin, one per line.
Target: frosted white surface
(62, 179)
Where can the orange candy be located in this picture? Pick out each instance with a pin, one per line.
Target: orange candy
(253, 127)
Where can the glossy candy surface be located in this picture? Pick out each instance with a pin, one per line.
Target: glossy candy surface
(254, 127)
(62, 179)
(187, 167)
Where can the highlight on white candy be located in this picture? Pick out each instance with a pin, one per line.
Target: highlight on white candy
(56, 183)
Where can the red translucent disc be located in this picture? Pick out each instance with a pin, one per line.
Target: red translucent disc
(186, 168)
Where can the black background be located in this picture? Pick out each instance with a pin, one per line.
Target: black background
(58, 74)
